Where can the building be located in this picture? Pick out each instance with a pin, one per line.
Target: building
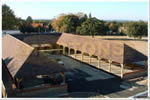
(25, 58)
(29, 70)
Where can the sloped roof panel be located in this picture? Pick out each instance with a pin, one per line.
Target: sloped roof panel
(14, 53)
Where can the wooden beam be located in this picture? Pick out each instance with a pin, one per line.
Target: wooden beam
(69, 51)
(82, 56)
(18, 82)
(51, 50)
(90, 59)
(110, 62)
(58, 47)
(75, 53)
(63, 76)
(64, 50)
(122, 70)
(99, 62)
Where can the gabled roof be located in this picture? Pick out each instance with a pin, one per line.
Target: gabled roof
(39, 64)
(38, 38)
(116, 51)
(14, 53)
(23, 61)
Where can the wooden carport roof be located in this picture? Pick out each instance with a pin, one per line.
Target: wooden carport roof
(114, 51)
(23, 61)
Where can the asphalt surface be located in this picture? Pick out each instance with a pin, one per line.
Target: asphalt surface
(85, 78)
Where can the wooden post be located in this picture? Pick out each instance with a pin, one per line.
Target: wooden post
(63, 76)
(75, 53)
(145, 64)
(4, 93)
(69, 51)
(90, 59)
(122, 68)
(82, 56)
(18, 82)
(64, 50)
(110, 62)
(58, 47)
(99, 61)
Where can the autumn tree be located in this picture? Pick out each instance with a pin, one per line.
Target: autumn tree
(66, 23)
(113, 26)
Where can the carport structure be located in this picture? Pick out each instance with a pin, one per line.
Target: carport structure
(24, 63)
(102, 49)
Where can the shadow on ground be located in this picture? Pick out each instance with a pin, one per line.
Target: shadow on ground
(79, 85)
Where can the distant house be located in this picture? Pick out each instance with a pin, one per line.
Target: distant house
(35, 25)
(122, 29)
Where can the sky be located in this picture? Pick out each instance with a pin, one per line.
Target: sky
(102, 10)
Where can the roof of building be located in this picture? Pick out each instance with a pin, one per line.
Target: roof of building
(39, 64)
(38, 38)
(23, 61)
(111, 50)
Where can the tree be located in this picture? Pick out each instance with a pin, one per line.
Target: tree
(70, 22)
(57, 23)
(82, 17)
(26, 28)
(29, 20)
(78, 30)
(136, 29)
(92, 26)
(66, 23)
(50, 27)
(90, 16)
(113, 27)
(9, 20)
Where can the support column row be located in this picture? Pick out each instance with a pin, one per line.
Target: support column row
(99, 60)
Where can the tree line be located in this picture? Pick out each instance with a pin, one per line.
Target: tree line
(29, 25)
(11, 22)
(79, 23)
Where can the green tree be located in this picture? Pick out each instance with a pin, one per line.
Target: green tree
(136, 29)
(92, 26)
(90, 16)
(26, 28)
(70, 23)
(82, 17)
(66, 23)
(29, 20)
(50, 27)
(9, 20)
